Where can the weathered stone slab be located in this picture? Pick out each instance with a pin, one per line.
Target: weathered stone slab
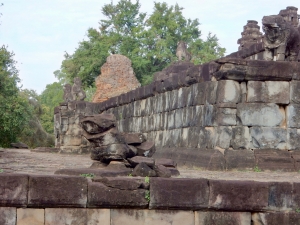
(123, 183)
(293, 115)
(151, 217)
(8, 215)
(13, 190)
(226, 117)
(209, 115)
(134, 138)
(168, 193)
(239, 159)
(268, 92)
(198, 93)
(280, 196)
(71, 140)
(294, 92)
(222, 218)
(296, 157)
(231, 195)
(143, 170)
(211, 92)
(30, 216)
(65, 216)
(268, 70)
(100, 195)
(61, 191)
(256, 114)
(293, 139)
(271, 159)
(269, 218)
(296, 195)
(224, 135)
(268, 137)
(98, 216)
(240, 138)
(228, 91)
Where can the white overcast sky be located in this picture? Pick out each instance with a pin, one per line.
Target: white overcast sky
(40, 31)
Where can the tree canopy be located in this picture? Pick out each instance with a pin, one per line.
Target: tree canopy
(149, 41)
(14, 108)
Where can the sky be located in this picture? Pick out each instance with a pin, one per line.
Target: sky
(39, 32)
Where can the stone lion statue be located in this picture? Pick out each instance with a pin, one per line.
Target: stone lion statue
(181, 51)
(281, 39)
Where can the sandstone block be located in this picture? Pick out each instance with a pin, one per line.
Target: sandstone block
(268, 70)
(293, 115)
(223, 136)
(143, 170)
(224, 218)
(232, 195)
(71, 140)
(165, 162)
(98, 216)
(232, 71)
(134, 138)
(209, 113)
(268, 137)
(296, 195)
(198, 93)
(228, 91)
(8, 215)
(294, 92)
(174, 99)
(151, 217)
(239, 160)
(100, 195)
(178, 118)
(293, 138)
(211, 93)
(13, 190)
(271, 159)
(268, 92)
(147, 149)
(226, 117)
(30, 216)
(65, 216)
(256, 114)
(171, 120)
(139, 159)
(275, 218)
(61, 191)
(280, 196)
(240, 138)
(162, 171)
(162, 193)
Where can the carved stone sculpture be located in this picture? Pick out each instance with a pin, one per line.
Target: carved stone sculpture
(67, 93)
(281, 40)
(181, 51)
(250, 35)
(77, 93)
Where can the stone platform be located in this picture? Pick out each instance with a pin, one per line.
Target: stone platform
(29, 191)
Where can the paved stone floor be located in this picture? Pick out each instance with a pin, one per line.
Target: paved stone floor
(45, 163)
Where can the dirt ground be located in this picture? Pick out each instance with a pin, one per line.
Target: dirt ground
(45, 163)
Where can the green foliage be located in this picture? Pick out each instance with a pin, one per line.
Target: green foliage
(15, 111)
(33, 133)
(147, 180)
(150, 42)
(297, 210)
(1, 170)
(49, 99)
(256, 169)
(87, 175)
(147, 195)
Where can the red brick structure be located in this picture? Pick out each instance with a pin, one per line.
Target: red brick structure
(117, 77)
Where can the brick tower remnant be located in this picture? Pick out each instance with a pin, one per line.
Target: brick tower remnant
(117, 77)
(250, 35)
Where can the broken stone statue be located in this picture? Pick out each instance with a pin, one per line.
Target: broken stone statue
(120, 154)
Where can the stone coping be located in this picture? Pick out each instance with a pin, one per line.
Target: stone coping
(54, 191)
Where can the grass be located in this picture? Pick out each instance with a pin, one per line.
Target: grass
(147, 195)
(1, 170)
(256, 169)
(87, 175)
(297, 210)
(147, 180)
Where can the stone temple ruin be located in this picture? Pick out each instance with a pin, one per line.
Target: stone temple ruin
(240, 112)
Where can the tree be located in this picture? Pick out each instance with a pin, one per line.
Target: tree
(49, 99)
(14, 108)
(150, 42)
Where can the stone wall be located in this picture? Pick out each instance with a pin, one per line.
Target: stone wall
(227, 104)
(120, 200)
